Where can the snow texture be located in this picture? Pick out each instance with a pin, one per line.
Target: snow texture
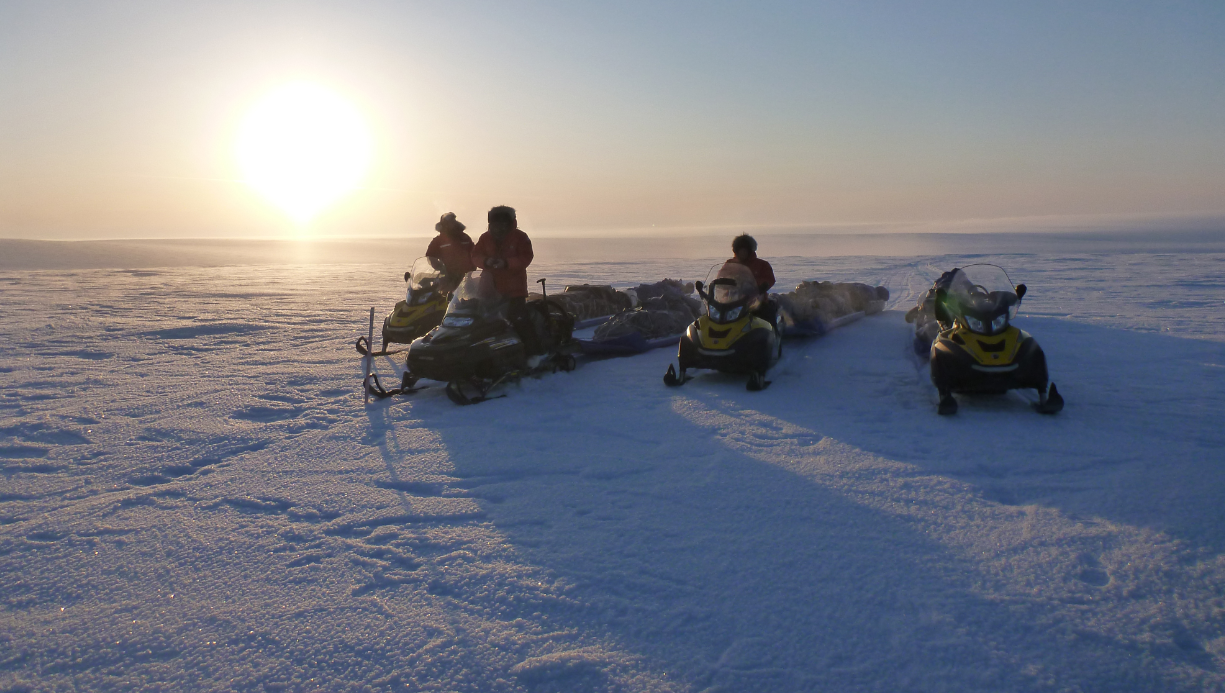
(193, 497)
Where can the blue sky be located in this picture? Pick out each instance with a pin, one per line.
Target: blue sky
(117, 118)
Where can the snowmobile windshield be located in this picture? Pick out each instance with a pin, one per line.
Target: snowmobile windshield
(730, 291)
(475, 298)
(983, 297)
(424, 276)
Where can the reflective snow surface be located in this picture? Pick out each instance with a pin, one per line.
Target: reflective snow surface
(193, 497)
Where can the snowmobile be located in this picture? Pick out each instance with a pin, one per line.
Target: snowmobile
(977, 350)
(730, 337)
(476, 348)
(421, 310)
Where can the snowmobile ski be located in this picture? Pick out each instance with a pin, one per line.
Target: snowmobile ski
(947, 406)
(363, 348)
(757, 382)
(1051, 401)
(407, 386)
(455, 393)
(671, 379)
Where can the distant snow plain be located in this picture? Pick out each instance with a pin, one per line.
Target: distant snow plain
(193, 496)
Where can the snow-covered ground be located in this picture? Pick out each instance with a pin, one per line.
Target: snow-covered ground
(193, 496)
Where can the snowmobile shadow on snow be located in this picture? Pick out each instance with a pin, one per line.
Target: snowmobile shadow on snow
(738, 574)
(1133, 448)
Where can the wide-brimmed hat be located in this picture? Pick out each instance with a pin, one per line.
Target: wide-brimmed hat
(449, 224)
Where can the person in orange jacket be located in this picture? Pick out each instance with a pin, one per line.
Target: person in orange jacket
(451, 251)
(505, 252)
(744, 252)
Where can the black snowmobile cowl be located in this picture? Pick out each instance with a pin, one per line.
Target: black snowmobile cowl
(978, 351)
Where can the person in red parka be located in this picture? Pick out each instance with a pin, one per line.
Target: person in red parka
(744, 251)
(505, 252)
(450, 251)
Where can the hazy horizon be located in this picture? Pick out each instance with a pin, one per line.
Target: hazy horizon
(621, 254)
(122, 120)
(1081, 224)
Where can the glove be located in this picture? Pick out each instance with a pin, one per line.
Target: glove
(495, 263)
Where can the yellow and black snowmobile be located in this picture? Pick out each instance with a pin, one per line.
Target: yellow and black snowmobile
(423, 307)
(730, 337)
(978, 350)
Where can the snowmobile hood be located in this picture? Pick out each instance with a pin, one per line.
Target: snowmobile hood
(987, 350)
(475, 330)
(715, 336)
(407, 313)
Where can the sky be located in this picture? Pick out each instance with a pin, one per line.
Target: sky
(119, 119)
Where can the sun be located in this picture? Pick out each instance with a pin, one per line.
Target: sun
(304, 147)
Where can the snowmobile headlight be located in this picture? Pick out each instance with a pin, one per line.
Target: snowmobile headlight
(456, 321)
(732, 314)
(974, 323)
(999, 323)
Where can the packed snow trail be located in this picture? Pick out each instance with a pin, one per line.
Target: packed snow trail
(194, 498)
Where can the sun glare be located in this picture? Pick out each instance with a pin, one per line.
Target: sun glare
(304, 148)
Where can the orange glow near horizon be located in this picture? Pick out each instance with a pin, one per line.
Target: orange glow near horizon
(304, 148)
